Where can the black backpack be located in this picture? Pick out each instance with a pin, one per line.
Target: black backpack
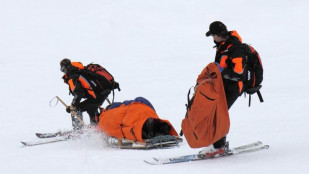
(253, 72)
(101, 80)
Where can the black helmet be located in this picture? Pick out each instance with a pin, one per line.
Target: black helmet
(64, 64)
(217, 28)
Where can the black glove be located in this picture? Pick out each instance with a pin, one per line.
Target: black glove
(70, 108)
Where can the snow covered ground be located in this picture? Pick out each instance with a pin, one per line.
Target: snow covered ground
(155, 49)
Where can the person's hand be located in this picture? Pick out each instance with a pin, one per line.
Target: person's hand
(70, 108)
(220, 67)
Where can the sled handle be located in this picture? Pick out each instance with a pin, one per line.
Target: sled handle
(59, 99)
(72, 112)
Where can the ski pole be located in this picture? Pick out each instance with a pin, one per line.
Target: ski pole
(72, 112)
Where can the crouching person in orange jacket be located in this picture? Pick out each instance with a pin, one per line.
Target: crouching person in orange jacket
(81, 87)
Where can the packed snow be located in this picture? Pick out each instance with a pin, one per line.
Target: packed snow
(154, 49)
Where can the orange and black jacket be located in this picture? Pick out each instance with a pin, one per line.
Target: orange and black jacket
(231, 57)
(79, 86)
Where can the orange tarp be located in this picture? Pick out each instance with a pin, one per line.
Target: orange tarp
(126, 121)
(207, 120)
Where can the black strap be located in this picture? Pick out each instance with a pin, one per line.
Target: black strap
(259, 95)
(187, 106)
(121, 125)
(133, 133)
(113, 96)
(188, 98)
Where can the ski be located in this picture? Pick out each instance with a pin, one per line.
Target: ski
(45, 141)
(252, 147)
(72, 133)
(52, 135)
(46, 138)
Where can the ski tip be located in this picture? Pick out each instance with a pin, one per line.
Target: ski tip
(24, 143)
(38, 135)
(149, 162)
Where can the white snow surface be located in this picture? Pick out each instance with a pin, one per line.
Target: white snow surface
(155, 49)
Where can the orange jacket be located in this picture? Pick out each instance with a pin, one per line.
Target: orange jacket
(79, 86)
(231, 57)
(78, 83)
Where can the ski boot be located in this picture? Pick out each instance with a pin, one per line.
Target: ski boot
(210, 151)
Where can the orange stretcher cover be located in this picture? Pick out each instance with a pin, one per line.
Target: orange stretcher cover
(126, 121)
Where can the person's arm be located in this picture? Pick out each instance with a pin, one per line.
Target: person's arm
(77, 91)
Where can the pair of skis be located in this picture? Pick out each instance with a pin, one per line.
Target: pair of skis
(252, 147)
(46, 138)
(164, 141)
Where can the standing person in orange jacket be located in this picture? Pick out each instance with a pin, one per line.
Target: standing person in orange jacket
(82, 87)
(230, 58)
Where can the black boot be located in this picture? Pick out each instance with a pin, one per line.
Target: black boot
(75, 123)
(94, 118)
(220, 143)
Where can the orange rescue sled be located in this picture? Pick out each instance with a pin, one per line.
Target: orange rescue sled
(134, 121)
